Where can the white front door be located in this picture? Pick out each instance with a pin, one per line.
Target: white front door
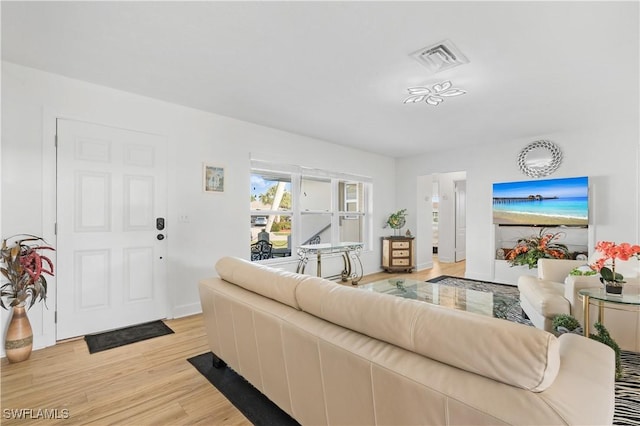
(461, 220)
(111, 205)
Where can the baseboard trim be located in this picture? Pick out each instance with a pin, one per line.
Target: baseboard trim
(187, 310)
(423, 266)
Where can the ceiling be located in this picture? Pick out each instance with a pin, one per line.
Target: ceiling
(339, 71)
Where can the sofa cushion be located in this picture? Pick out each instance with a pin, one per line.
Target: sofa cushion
(546, 297)
(508, 352)
(269, 282)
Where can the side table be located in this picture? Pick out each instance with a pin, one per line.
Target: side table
(397, 254)
(603, 297)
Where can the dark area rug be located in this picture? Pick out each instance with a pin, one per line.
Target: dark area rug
(627, 389)
(250, 401)
(124, 336)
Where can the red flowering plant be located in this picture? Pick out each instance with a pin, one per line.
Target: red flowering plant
(610, 252)
(25, 268)
(544, 245)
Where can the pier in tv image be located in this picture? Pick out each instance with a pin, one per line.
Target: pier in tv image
(548, 202)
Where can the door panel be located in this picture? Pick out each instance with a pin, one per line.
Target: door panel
(138, 274)
(92, 201)
(111, 187)
(461, 220)
(138, 206)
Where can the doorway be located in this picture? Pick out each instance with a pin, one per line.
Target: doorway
(442, 211)
(111, 217)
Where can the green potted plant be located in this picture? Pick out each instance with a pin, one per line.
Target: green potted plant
(604, 337)
(564, 323)
(25, 268)
(397, 220)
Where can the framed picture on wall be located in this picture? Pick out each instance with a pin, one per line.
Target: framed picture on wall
(212, 178)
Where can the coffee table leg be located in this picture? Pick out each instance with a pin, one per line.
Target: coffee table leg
(585, 308)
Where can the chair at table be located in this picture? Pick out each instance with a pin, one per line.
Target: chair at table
(261, 250)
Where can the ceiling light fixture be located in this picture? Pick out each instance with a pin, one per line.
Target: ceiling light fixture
(434, 95)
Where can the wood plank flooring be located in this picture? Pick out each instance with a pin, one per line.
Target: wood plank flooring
(146, 383)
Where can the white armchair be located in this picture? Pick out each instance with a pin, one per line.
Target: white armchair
(555, 292)
(543, 297)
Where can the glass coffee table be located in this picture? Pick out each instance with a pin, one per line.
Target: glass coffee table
(629, 298)
(464, 299)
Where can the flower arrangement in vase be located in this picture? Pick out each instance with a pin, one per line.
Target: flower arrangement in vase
(611, 251)
(544, 245)
(25, 269)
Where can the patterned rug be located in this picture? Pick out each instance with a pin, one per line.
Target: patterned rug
(627, 410)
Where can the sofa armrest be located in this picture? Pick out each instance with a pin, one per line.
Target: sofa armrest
(556, 269)
(584, 388)
(575, 283)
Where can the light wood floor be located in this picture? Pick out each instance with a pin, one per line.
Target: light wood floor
(146, 383)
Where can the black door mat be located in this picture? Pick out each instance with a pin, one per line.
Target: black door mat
(252, 403)
(124, 336)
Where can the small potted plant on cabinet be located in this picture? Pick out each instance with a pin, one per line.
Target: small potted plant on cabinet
(25, 269)
(396, 221)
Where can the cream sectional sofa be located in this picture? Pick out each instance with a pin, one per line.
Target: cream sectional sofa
(327, 353)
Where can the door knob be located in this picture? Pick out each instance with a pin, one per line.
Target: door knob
(160, 237)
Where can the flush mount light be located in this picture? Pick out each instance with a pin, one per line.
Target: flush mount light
(433, 95)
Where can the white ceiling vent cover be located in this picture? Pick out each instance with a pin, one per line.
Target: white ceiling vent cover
(440, 56)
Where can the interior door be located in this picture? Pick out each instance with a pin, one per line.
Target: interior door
(111, 206)
(461, 220)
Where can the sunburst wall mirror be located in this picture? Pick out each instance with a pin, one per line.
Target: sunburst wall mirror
(540, 158)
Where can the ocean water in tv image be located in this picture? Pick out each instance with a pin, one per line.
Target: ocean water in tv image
(575, 208)
(542, 202)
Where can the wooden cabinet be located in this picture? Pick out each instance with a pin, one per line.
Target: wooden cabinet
(397, 254)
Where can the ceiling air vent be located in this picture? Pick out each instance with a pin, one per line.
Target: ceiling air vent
(440, 57)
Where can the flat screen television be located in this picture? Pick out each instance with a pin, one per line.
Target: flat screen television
(549, 202)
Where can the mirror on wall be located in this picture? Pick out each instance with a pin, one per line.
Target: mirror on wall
(540, 158)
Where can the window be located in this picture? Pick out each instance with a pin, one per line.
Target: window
(351, 214)
(271, 211)
(292, 206)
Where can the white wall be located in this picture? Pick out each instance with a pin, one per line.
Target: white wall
(609, 156)
(218, 223)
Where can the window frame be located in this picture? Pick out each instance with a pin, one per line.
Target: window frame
(337, 210)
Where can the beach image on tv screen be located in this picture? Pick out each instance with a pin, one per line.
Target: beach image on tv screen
(542, 202)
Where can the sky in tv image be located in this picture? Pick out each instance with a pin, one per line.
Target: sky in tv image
(555, 202)
(561, 188)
